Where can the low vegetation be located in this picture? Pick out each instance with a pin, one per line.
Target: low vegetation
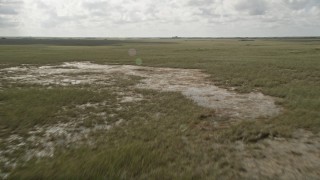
(165, 135)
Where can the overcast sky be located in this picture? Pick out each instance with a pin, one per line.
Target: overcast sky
(159, 18)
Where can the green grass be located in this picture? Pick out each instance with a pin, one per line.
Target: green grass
(149, 147)
(24, 108)
(285, 69)
(130, 160)
(173, 145)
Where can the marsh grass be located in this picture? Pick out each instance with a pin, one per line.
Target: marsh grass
(148, 146)
(163, 137)
(27, 107)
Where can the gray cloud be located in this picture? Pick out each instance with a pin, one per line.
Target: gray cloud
(160, 18)
(301, 4)
(95, 5)
(6, 10)
(255, 7)
(9, 11)
(55, 20)
(122, 13)
(10, 7)
(201, 2)
(52, 18)
(100, 8)
(7, 23)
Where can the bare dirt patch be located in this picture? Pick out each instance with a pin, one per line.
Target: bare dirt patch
(190, 82)
(280, 158)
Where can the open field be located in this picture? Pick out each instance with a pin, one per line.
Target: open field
(176, 109)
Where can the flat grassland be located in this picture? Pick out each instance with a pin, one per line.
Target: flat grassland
(129, 133)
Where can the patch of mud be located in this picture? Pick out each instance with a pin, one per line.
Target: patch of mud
(129, 97)
(190, 82)
(280, 158)
(42, 142)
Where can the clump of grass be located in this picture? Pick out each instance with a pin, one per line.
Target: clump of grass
(107, 162)
(149, 145)
(24, 108)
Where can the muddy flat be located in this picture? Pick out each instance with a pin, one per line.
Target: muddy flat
(192, 83)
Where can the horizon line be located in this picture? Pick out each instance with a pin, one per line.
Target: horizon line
(163, 37)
